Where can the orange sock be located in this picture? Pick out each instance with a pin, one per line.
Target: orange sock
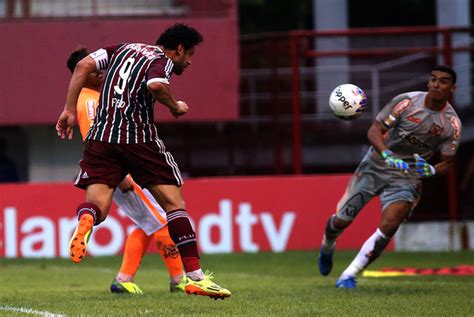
(135, 247)
(169, 252)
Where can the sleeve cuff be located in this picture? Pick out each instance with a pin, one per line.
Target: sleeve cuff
(160, 80)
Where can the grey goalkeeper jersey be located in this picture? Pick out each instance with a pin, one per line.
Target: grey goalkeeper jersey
(413, 128)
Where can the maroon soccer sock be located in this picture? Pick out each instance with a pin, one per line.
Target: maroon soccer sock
(91, 209)
(182, 233)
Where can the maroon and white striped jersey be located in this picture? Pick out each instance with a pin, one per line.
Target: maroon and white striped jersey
(125, 110)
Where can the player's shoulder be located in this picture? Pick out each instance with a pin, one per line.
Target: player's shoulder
(112, 48)
(161, 61)
(151, 51)
(402, 102)
(412, 96)
(450, 113)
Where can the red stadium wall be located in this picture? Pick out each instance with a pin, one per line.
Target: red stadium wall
(229, 215)
(34, 77)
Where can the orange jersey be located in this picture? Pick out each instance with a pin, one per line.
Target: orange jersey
(86, 106)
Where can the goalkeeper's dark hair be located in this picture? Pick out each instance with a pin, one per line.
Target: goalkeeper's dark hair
(177, 34)
(448, 70)
(75, 57)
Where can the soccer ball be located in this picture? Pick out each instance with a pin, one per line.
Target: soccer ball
(347, 101)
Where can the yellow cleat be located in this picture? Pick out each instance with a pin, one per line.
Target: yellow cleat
(80, 238)
(174, 288)
(206, 287)
(125, 287)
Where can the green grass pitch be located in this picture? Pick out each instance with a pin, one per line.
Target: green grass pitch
(265, 284)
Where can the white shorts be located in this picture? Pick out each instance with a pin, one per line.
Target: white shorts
(140, 206)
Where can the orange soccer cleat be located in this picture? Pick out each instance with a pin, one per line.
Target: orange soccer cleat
(80, 238)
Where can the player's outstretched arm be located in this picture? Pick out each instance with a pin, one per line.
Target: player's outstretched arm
(67, 119)
(375, 136)
(162, 93)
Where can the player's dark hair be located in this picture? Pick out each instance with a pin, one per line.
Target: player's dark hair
(447, 70)
(75, 57)
(178, 34)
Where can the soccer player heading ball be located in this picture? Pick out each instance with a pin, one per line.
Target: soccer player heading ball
(405, 135)
(137, 203)
(124, 140)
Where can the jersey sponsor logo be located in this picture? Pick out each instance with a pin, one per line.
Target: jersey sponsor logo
(400, 107)
(84, 175)
(412, 140)
(90, 108)
(414, 119)
(457, 127)
(118, 103)
(436, 129)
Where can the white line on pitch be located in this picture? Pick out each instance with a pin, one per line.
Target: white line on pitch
(30, 311)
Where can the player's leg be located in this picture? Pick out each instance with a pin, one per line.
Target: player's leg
(152, 167)
(101, 171)
(392, 217)
(147, 214)
(179, 226)
(182, 233)
(398, 199)
(334, 228)
(358, 193)
(90, 213)
(135, 247)
(170, 255)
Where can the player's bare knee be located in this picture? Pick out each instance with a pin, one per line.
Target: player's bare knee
(389, 229)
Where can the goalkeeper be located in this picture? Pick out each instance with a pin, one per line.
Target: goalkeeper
(405, 135)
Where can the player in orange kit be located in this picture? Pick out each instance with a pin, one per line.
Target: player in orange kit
(137, 203)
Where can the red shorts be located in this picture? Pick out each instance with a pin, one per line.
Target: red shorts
(108, 163)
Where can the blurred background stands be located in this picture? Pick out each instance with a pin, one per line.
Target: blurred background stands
(262, 139)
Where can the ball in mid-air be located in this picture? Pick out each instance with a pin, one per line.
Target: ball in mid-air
(347, 101)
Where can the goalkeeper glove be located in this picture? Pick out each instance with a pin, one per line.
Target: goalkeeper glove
(424, 168)
(392, 161)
